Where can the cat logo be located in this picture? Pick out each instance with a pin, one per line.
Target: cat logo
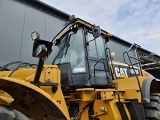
(122, 76)
(123, 71)
(120, 71)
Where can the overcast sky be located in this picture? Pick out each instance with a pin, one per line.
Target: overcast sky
(136, 21)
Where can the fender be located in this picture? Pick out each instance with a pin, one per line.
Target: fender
(31, 100)
(146, 85)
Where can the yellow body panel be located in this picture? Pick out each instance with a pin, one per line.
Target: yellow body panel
(5, 98)
(49, 100)
(50, 74)
(104, 108)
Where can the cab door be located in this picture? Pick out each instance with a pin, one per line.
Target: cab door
(98, 62)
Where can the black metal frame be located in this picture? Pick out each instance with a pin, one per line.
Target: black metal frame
(86, 79)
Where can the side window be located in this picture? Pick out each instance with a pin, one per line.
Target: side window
(76, 44)
(100, 47)
(73, 52)
(59, 50)
(97, 55)
(92, 46)
(69, 54)
(96, 47)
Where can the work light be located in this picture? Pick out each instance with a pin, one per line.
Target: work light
(35, 35)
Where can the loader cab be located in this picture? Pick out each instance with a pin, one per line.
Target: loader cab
(82, 59)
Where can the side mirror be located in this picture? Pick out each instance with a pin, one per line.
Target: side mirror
(40, 51)
(41, 48)
(96, 31)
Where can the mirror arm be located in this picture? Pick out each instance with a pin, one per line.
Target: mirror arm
(38, 71)
(42, 54)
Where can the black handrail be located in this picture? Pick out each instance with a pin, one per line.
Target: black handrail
(108, 51)
(97, 63)
(132, 65)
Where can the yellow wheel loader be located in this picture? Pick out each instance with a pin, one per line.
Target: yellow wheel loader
(82, 83)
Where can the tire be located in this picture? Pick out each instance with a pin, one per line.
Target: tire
(152, 109)
(7, 113)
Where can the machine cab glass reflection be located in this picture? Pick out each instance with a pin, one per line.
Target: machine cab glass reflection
(82, 59)
(71, 50)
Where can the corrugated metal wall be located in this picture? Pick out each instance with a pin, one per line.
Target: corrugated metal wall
(118, 47)
(17, 21)
(18, 18)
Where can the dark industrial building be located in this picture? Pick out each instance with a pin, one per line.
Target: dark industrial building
(18, 18)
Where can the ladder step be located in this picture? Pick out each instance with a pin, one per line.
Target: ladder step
(135, 64)
(134, 58)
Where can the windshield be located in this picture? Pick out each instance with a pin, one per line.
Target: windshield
(71, 49)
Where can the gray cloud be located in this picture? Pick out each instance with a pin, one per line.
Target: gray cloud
(141, 24)
(135, 21)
